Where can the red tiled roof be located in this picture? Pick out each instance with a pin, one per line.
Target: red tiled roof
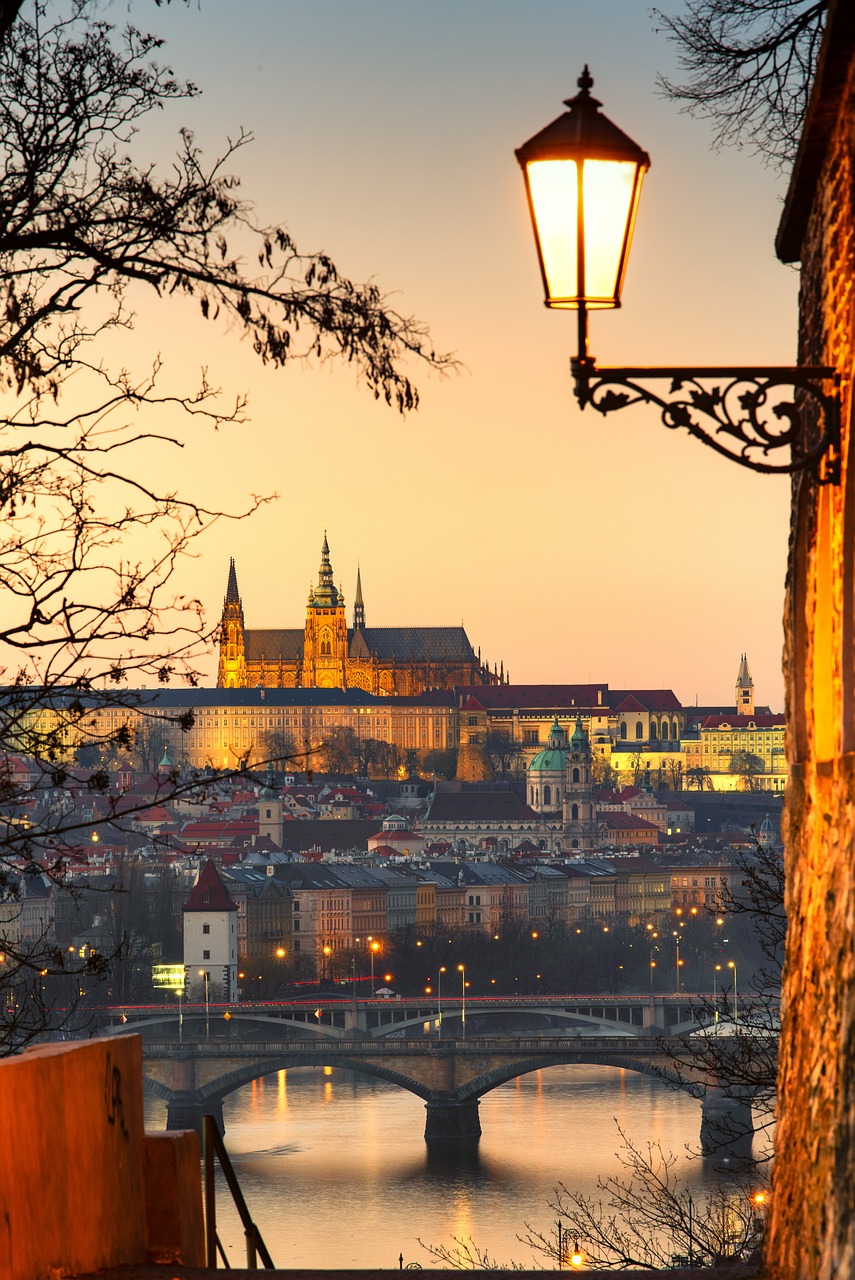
(578, 696)
(155, 814)
(209, 893)
(627, 822)
(219, 829)
(646, 699)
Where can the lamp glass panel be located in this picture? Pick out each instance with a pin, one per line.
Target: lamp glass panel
(610, 198)
(608, 187)
(552, 186)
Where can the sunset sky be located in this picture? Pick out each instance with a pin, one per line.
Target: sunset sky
(574, 548)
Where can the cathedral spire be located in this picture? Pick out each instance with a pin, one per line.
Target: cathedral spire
(358, 604)
(232, 593)
(325, 595)
(231, 672)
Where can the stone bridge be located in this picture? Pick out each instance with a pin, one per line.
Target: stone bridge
(450, 1075)
(339, 1019)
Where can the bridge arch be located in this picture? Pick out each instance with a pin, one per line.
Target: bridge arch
(449, 1078)
(490, 1080)
(219, 1087)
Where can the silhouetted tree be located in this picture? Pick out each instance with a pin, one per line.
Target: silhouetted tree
(91, 530)
(749, 65)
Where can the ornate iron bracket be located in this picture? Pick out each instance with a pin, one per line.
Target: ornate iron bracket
(746, 414)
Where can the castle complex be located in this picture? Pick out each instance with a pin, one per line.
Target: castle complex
(327, 654)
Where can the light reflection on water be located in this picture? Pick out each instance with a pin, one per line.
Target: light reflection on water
(336, 1172)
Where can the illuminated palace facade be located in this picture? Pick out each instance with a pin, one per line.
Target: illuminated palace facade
(327, 654)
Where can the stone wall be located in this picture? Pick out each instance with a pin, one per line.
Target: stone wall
(82, 1187)
(812, 1217)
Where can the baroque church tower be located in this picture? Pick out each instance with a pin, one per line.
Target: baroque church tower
(580, 814)
(325, 647)
(232, 667)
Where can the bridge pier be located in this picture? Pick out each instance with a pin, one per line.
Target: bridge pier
(452, 1121)
(727, 1129)
(185, 1111)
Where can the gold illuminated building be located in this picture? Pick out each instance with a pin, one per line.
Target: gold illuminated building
(327, 654)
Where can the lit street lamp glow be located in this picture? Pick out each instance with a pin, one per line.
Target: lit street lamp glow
(203, 973)
(439, 973)
(373, 948)
(731, 964)
(461, 969)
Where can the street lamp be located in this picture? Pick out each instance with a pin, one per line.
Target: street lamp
(203, 973)
(731, 964)
(373, 948)
(327, 954)
(679, 962)
(439, 973)
(583, 179)
(461, 969)
(716, 971)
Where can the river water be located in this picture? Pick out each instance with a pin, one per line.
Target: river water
(336, 1172)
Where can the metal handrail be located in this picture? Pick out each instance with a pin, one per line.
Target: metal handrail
(213, 1146)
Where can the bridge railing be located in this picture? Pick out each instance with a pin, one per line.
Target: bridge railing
(421, 1047)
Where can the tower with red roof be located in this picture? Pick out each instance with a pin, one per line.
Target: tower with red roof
(210, 939)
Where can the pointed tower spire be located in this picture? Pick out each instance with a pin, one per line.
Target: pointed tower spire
(232, 593)
(358, 603)
(744, 689)
(231, 672)
(326, 595)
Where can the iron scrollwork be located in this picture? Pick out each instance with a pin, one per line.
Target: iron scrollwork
(744, 414)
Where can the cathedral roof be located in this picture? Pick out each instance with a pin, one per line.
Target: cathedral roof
(285, 643)
(405, 644)
(417, 644)
(358, 647)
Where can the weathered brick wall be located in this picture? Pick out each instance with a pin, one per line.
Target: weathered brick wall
(812, 1218)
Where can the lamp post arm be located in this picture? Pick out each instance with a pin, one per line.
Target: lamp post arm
(753, 415)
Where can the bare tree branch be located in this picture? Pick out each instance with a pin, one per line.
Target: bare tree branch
(748, 66)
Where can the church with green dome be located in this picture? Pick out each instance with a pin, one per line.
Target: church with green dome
(559, 784)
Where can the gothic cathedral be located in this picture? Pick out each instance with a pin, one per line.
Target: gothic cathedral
(327, 654)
